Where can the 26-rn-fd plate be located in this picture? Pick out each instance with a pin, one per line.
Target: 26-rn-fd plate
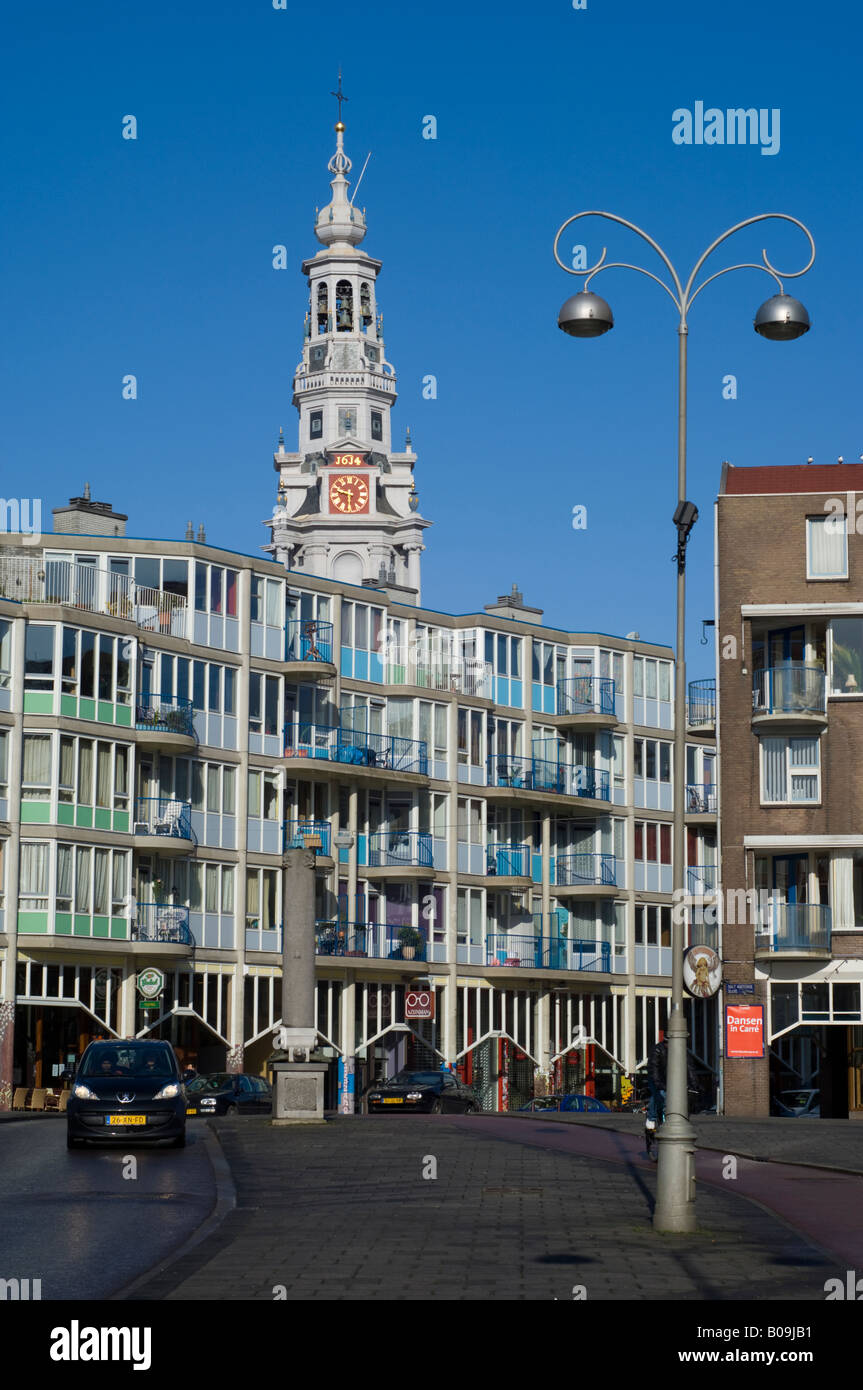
(125, 1119)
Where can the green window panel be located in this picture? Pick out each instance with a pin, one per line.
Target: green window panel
(86, 709)
(65, 813)
(33, 921)
(103, 818)
(38, 702)
(123, 715)
(84, 816)
(81, 926)
(121, 822)
(105, 712)
(63, 923)
(119, 929)
(69, 706)
(100, 926)
(35, 812)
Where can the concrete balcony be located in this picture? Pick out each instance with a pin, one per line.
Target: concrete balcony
(163, 825)
(165, 721)
(309, 650)
(796, 930)
(790, 694)
(586, 702)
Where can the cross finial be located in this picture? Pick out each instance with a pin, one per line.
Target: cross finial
(339, 95)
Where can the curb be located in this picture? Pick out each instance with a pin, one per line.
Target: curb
(226, 1201)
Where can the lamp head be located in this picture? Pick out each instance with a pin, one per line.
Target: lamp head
(781, 318)
(585, 315)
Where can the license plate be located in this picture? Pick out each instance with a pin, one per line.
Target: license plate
(125, 1119)
(393, 1100)
(191, 1112)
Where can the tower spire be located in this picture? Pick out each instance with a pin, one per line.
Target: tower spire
(340, 221)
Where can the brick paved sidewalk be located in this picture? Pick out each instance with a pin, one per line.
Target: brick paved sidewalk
(343, 1212)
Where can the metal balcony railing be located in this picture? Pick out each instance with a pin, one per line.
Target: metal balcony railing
(389, 849)
(700, 798)
(701, 879)
(463, 676)
(33, 579)
(339, 745)
(790, 689)
(544, 953)
(796, 928)
(307, 639)
(590, 869)
(308, 834)
(374, 940)
(163, 924)
(166, 714)
(507, 861)
(163, 815)
(543, 774)
(701, 706)
(586, 695)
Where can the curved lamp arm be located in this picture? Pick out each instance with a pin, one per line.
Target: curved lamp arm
(685, 297)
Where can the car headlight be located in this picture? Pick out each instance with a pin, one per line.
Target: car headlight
(168, 1092)
(415, 1095)
(374, 1097)
(209, 1100)
(81, 1092)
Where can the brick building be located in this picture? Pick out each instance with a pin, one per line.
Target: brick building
(790, 721)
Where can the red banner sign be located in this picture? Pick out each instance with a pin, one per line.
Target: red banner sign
(744, 1030)
(419, 1003)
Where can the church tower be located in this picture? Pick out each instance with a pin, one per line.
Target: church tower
(347, 508)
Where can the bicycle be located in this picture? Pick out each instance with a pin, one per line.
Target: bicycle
(652, 1124)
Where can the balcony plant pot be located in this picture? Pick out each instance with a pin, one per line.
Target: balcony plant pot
(410, 941)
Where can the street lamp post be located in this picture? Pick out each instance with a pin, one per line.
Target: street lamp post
(780, 318)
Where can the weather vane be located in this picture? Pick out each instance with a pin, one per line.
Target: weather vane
(339, 95)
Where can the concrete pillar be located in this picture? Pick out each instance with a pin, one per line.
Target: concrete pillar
(238, 980)
(299, 1095)
(13, 848)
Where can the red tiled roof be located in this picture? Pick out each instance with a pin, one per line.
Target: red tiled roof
(798, 477)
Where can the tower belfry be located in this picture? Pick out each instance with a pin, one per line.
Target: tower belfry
(347, 508)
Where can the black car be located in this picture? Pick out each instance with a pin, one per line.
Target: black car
(430, 1092)
(127, 1090)
(228, 1093)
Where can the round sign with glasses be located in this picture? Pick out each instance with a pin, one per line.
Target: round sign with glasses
(702, 972)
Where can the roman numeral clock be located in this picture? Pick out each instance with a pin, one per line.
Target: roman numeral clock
(348, 492)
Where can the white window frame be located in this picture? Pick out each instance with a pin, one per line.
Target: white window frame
(792, 770)
(842, 529)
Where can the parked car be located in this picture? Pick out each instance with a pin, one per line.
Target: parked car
(229, 1093)
(127, 1090)
(798, 1104)
(540, 1103)
(429, 1092)
(567, 1103)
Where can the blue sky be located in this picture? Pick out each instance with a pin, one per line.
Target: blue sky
(154, 257)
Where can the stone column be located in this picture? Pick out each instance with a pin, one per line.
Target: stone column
(13, 851)
(299, 1094)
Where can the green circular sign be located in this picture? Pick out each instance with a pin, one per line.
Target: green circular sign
(151, 982)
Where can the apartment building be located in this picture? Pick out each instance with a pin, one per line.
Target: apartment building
(489, 798)
(790, 645)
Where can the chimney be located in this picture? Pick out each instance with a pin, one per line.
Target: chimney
(83, 517)
(202, 535)
(512, 605)
(190, 531)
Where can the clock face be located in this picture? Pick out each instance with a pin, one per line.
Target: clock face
(349, 494)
